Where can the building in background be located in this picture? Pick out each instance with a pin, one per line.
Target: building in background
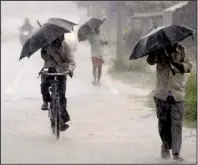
(140, 17)
(184, 13)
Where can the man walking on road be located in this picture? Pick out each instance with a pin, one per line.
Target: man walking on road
(97, 54)
(172, 66)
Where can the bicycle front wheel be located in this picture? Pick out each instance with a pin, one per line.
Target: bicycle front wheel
(56, 118)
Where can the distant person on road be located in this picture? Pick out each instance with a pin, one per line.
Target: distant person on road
(26, 31)
(172, 66)
(27, 26)
(97, 44)
(57, 55)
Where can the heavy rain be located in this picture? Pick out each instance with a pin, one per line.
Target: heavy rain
(110, 86)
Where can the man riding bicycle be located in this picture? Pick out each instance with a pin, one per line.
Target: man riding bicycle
(57, 55)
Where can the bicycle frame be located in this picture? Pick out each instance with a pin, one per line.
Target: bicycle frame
(54, 112)
(55, 95)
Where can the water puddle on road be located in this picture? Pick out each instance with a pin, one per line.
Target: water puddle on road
(20, 99)
(31, 98)
(8, 101)
(149, 115)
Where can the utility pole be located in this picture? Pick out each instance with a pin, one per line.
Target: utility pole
(119, 29)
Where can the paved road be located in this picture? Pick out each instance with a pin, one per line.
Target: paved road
(110, 124)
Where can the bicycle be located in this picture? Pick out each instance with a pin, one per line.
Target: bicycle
(54, 110)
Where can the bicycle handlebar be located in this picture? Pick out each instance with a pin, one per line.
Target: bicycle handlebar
(54, 74)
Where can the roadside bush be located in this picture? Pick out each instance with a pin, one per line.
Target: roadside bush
(123, 64)
(191, 99)
(190, 114)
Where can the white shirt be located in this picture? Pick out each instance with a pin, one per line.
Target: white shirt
(97, 49)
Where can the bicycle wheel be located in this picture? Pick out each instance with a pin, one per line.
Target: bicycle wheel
(56, 118)
(51, 116)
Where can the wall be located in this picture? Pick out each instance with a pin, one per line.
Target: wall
(188, 16)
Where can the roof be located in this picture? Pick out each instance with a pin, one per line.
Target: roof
(146, 15)
(177, 6)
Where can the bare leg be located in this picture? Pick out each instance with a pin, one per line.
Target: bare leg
(99, 73)
(94, 73)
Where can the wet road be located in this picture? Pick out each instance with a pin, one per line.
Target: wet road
(107, 126)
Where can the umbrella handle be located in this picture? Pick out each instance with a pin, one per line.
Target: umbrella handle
(40, 72)
(165, 51)
(38, 23)
(169, 62)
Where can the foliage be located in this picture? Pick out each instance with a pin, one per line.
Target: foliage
(191, 99)
(123, 64)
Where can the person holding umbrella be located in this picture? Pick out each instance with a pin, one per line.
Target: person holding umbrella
(170, 96)
(90, 31)
(26, 31)
(96, 54)
(163, 48)
(57, 54)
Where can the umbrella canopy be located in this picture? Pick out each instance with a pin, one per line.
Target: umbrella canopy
(159, 38)
(84, 32)
(65, 24)
(88, 28)
(49, 32)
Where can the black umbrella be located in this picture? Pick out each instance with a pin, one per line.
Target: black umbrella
(159, 38)
(65, 24)
(89, 27)
(95, 22)
(84, 32)
(50, 31)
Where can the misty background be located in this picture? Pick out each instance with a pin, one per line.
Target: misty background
(115, 123)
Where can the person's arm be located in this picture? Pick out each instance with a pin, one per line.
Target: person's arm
(44, 57)
(183, 67)
(43, 51)
(103, 39)
(45, 54)
(152, 59)
(69, 58)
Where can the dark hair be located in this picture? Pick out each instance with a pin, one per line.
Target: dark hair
(58, 41)
(62, 37)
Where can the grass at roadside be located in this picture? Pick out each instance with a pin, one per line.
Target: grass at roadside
(141, 79)
(191, 100)
(147, 80)
(123, 64)
(190, 113)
